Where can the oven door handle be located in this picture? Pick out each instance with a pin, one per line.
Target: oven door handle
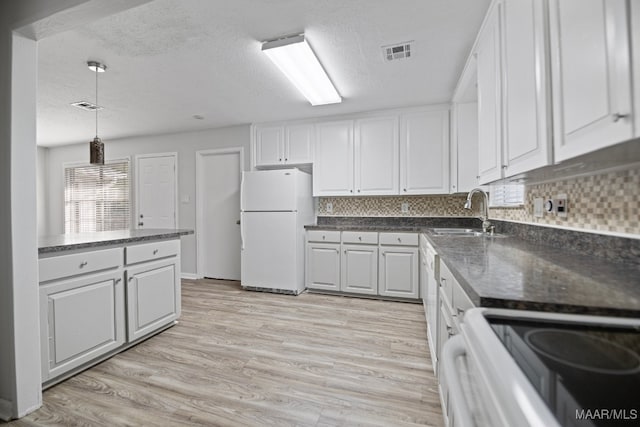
(454, 348)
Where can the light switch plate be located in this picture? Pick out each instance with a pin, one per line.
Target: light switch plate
(538, 207)
(560, 203)
(329, 207)
(404, 207)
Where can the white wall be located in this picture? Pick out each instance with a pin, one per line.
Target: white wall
(185, 144)
(42, 193)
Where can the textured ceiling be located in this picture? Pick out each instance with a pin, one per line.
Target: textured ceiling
(169, 60)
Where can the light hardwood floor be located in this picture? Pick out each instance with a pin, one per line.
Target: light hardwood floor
(251, 358)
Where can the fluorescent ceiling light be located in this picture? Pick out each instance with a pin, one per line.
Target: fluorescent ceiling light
(294, 57)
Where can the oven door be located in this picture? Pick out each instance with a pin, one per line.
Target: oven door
(483, 385)
(468, 400)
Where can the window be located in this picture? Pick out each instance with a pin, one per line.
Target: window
(506, 195)
(96, 197)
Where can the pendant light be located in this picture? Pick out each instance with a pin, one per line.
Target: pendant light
(96, 147)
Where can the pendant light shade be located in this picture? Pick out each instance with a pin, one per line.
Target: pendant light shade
(96, 146)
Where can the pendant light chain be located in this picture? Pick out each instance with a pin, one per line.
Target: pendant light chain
(97, 105)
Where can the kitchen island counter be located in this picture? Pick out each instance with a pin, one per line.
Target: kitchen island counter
(69, 242)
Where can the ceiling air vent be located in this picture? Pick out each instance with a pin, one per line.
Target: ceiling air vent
(86, 105)
(398, 51)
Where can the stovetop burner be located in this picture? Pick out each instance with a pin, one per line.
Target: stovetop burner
(583, 351)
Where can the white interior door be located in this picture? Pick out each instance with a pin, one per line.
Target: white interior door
(218, 174)
(156, 191)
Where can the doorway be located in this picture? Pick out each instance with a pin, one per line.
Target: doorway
(218, 175)
(156, 191)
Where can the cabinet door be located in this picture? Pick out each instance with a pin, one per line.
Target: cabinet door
(323, 266)
(153, 297)
(269, 145)
(591, 75)
(333, 159)
(467, 146)
(489, 108)
(376, 156)
(527, 138)
(298, 144)
(80, 320)
(359, 269)
(424, 153)
(398, 272)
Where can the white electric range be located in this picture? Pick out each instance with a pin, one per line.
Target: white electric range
(523, 368)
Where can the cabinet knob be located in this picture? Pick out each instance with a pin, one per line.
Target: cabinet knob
(337, 251)
(131, 278)
(404, 189)
(477, 176)
(83, 263)
(323, 237)
(504, 166)
(280, 159)
(358, 190)
(141, 216)
(118, 281)
(350, 191)
(399, 240)
(286, 160)
(617, 116)
(155, 251)
(360, 238)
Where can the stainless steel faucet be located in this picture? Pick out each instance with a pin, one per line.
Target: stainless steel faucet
(486, 225)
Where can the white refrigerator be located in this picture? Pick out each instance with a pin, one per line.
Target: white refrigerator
(275, 206)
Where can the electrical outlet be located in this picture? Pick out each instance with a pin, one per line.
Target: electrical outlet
(404, 207)
(329, 207)
(560, 202)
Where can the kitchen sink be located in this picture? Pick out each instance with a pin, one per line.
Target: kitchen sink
(471, 232)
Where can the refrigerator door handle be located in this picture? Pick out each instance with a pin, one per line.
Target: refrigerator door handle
(241, 233)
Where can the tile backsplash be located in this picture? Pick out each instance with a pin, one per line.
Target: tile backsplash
(608, 202)
(444, 205)
(605, 202)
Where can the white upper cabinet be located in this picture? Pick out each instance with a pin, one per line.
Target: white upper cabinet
(298, 144)
(466, 145)
(269, 145)
(333, 159)
(376, 156)
(591, 71)
(278, 145)
(527, 139)
(488, 58)
(424, 152)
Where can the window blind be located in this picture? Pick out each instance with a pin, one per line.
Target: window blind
(96, 197)
(506, 195)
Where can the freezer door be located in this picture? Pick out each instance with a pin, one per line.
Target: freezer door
(273, 190)
(269, 250)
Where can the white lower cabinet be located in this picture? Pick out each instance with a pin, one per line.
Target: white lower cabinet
(81, 319)
(359, 269)
(153, 297)
(398, 271)
(368, 263)
(323, 266)
(87, 312)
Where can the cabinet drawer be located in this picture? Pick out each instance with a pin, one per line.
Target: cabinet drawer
(151, 251)
(404, 239)
(446, 282)
(367, 237)
(323, 236)
(57, 267)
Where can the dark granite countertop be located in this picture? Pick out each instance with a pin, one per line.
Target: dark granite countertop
(508, 272)
(68, 242)
(378, 228)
